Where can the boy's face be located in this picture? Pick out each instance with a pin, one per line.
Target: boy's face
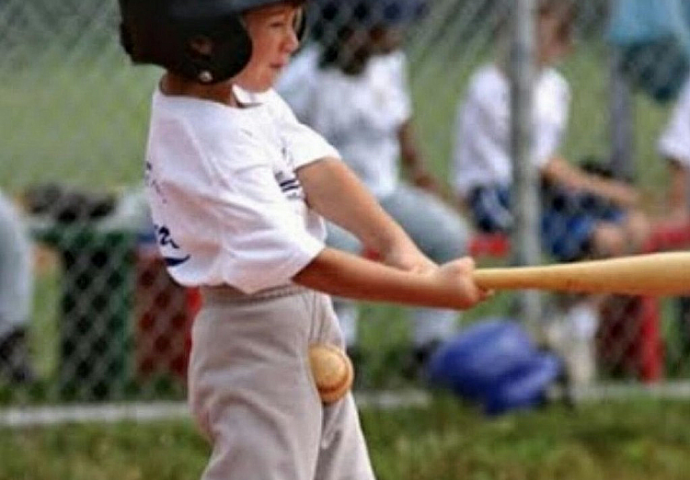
(361, 44)
(274, 40)
(554, 36)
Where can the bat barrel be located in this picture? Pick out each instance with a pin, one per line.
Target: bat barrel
(657, 274)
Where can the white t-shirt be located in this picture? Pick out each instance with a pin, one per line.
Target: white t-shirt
(481, 154)
(360, 115)
(675, 139)
(227, 206)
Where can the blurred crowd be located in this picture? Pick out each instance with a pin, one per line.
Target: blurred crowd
(350, 83)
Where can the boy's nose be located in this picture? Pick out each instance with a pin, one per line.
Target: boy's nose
(292, 41)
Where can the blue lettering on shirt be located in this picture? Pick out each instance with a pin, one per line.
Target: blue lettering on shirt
(168, 247)
(151, 182)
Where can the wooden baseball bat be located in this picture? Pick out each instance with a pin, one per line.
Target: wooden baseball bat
(655, 274)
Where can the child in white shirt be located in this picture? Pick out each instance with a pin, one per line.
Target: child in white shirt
(238, 189)
(16, 295)
(674, 146)
(583, 215)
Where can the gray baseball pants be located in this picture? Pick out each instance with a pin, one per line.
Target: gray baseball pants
(252, 394)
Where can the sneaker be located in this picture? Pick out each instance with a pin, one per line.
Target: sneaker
(572, 335)
(14, 358)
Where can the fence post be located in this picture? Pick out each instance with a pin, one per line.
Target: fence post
(526, 244)
(622, 154)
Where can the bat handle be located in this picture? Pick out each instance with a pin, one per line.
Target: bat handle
(505, 278)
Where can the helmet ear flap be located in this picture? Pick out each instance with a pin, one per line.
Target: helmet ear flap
(219, 53)
(199, 52)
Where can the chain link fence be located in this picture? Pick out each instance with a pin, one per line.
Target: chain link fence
(108, 324)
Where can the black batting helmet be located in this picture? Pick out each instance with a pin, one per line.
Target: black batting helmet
(159, 32)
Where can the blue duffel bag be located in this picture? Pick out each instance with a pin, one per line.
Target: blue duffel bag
(495, 363)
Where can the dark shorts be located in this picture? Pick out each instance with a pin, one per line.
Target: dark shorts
(567, 224)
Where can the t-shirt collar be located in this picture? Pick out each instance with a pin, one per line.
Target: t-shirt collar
(248, 98)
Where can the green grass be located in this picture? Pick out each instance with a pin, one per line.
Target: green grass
(82, 119)
(636, 440)
(439, 83)
(640, 440)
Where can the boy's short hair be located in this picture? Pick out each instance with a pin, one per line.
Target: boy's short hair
(159, 32)
(566, 9)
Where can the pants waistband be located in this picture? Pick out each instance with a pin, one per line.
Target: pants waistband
(233, 295)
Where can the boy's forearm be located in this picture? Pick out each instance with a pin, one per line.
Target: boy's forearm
(336, 193)
(560, 171)
(345, 275)
(409, 152)
(679, 193)
(412, 158)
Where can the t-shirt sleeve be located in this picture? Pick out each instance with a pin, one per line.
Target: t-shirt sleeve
(480, 125)
(304, 144)
(248, 227)
(400, 98)
(273, 243)
(552, 119)
(674, 142)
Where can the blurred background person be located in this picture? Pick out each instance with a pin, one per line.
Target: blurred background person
(674, 146)
(16, 294)
(351, 85)
(583, 215)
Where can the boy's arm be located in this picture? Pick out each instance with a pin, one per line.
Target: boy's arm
(336, 193)
(678, 192)
(560, 172)
(412, 159)
(345, 275)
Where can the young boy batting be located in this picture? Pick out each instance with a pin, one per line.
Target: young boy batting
(238, 189)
